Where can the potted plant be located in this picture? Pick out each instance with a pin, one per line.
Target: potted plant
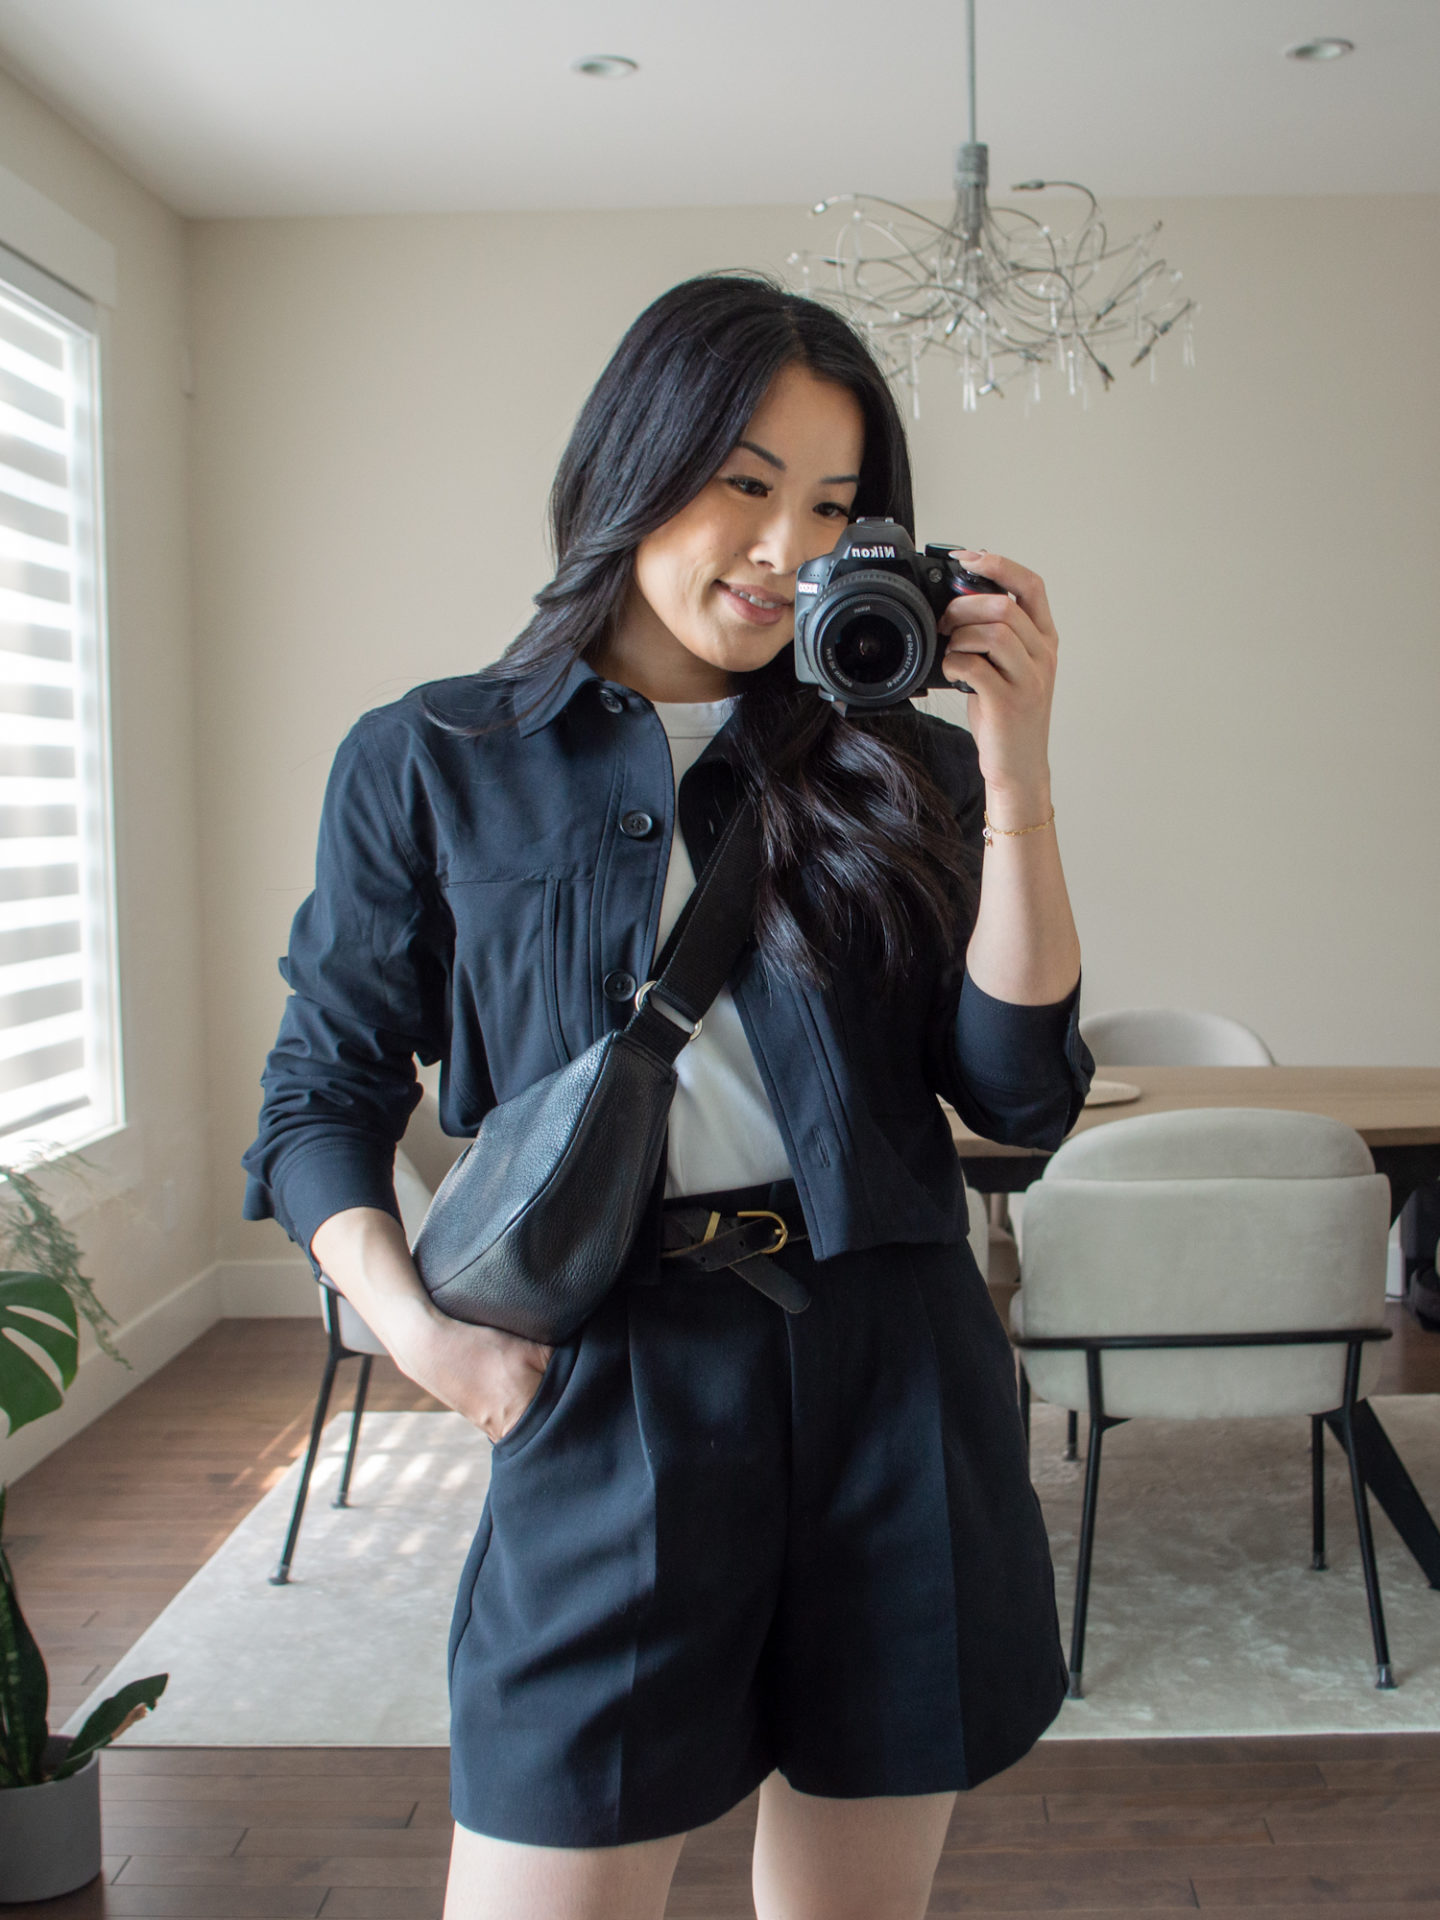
(49, 1784)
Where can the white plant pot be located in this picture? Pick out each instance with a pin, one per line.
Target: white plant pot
(50, 1835)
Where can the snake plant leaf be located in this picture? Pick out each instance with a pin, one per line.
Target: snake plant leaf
(42, 1311)
(109, 1718)
(24, 1686)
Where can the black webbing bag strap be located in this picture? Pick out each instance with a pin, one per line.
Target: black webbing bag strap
(704, 943)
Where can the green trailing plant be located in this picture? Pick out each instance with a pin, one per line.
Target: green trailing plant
(43, 1293)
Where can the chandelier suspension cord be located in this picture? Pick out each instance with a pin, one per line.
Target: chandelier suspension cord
(970, 60)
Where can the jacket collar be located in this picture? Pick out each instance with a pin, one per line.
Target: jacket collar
(538, 703)
(537, 708)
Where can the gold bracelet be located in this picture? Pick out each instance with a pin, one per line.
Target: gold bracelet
(991, 834)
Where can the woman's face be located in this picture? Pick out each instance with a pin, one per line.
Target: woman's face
(714, 588)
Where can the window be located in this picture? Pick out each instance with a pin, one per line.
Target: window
(60, 1079)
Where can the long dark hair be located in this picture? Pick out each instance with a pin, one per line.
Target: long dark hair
(860, 843)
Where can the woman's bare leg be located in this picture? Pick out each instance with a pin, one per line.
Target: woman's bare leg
(500, 1880)
(846, 1859)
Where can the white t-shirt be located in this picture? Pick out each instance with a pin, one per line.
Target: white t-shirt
(722, 1129)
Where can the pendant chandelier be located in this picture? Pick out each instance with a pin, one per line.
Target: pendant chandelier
(998, 290)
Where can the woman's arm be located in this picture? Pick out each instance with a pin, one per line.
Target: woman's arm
(1024, 948)
(369, 967)
(488, 1376)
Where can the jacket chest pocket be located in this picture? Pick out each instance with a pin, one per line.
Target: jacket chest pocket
(508, 934)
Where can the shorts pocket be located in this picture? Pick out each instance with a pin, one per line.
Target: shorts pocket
(465, 1593)
(532, 1421)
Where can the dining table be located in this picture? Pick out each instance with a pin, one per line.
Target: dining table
(1395, 1110)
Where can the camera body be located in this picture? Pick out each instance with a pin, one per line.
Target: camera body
(865, 614)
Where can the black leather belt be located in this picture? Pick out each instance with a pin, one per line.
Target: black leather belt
(706, 1239)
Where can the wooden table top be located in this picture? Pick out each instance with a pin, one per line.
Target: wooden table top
(1388, 1106)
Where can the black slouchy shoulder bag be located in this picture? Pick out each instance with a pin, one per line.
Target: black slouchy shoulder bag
(532, 1225)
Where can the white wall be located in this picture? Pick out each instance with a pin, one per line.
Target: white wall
(1241, 559)
(1245, 567)
(149, 1244)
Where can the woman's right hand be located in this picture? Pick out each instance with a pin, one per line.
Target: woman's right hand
(488, 1376)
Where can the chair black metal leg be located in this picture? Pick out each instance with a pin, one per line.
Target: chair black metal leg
(1317, 1492)
(281, 1575)
(1098, 1424)
(1392, 1486)
(1384, 1677)
(342, 1498)
(1072, 1436)
(1024, 1401)
(1082, 1564)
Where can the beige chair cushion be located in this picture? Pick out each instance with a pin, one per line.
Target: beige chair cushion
(431, 1151)
(979, 1232)
(1217, 1142)
(354, 1331)
(1239, 1141)
(1172, 1037)
(1229, 1221)
(412, 1194)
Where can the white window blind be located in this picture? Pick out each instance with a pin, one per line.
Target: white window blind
(59, 1029)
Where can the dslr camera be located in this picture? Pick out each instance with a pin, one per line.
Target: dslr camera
(865, 615)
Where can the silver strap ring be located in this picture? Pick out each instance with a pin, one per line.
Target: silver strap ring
(670, 1013)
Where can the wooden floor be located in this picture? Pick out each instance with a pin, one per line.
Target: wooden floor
(106, 1531)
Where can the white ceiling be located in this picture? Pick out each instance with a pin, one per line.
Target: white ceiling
(352, 106)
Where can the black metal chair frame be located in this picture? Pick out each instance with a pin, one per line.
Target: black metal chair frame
(338, 1352)
(1341, 1419)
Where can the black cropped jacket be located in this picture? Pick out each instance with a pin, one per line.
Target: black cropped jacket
(492, 902)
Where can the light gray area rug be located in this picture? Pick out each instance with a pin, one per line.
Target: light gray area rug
(1205, 1618)
(352, 1651)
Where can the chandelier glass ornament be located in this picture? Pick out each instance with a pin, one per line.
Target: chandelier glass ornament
(997, 289)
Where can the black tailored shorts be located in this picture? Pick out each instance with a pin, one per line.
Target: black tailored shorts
(724, 1539)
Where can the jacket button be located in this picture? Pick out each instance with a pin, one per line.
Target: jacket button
(620, 985)
(636, 824)
(611, 700)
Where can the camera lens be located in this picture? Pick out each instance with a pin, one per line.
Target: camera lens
(868, 650)
(867, 639)
(870, 646)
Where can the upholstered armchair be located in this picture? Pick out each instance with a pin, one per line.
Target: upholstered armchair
(1208, 1265)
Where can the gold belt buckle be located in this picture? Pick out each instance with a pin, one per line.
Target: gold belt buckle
(764, 1213)
(679, 1253)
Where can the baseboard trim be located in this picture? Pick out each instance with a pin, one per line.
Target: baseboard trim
(148, 1342)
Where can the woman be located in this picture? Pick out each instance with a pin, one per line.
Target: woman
(726, 1545)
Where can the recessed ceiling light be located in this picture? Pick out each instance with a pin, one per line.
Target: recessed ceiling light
(605, 66)
(1326, 49)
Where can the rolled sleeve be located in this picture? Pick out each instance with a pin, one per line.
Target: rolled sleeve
(1022, 1073)
(368, 977)
(322, 1179)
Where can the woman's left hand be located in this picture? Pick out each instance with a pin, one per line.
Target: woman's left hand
(1004, 647)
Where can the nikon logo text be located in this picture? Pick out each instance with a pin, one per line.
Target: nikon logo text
(872, 553)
